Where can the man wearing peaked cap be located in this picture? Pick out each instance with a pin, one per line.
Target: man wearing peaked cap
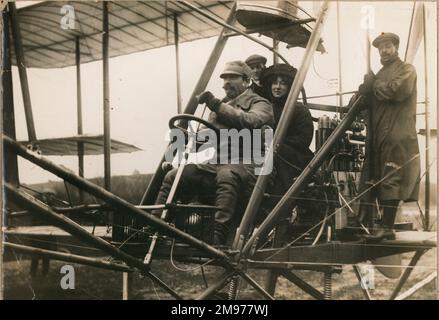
(256, 58)
(237, 67)
(233, 181)
(386, 36)
(257, 64)
(392, 164)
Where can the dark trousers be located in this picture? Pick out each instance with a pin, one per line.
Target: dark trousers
(230, 185)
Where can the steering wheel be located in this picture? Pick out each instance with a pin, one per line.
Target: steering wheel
(185, 118)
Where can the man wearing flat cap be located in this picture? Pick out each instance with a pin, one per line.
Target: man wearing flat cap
(257, 64)
(232, 183)
(393, 164)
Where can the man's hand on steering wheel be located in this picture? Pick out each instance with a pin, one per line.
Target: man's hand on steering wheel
(176, 123)
(209, 99)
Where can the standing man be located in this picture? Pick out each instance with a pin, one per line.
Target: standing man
(232, 184)
(257, 64)
(393, 163)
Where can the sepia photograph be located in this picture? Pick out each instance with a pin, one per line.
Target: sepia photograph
(219, 150)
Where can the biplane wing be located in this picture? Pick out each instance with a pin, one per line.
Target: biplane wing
(49, 29)
(68, 146)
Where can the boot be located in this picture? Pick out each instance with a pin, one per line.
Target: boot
(386, 229)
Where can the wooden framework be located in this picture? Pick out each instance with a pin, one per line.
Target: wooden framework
(324, 258)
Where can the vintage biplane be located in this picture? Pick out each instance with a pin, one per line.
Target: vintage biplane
(313, 225)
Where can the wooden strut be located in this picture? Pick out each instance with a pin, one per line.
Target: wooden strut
(79, 112)
(293, 278)
(361, 282)
(10, 165)
(21, 64)
(106, 97)
(417, 286)
(418, 254)
(99, 263)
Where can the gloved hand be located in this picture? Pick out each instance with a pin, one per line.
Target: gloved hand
(209, 99)
(367, 85)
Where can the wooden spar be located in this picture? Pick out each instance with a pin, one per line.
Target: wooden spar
(79, 112)
(256, 285)
(293, 278)
(437, 197)
(10, 165)
(418, 254)
(106, 92)
(417, 286)
(21, 64)
(275, 48)
(298, 185)
(80, 233)
(151, 192)
(127, 280)
(230, 27)
(222, 281)
(99, 263)
(427, 127)
(177, 62)
(363, 287)
(118, 203)
(4, 36)
(286, 118)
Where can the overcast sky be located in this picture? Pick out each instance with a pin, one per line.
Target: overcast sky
(143, 86)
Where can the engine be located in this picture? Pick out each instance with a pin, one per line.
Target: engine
(348, 153)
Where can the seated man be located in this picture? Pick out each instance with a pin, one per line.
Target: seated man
(241, 109)
(258, 65)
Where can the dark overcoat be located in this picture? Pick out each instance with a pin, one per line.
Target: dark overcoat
(394, 153)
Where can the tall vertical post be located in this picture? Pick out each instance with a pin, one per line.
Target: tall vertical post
(21, 64)
(3, 70)
(276, 48)
(177, 62)
(437, 183)
(107, 137)
(79, 112)
(427, 127)
(127, 283)
(10, 165)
